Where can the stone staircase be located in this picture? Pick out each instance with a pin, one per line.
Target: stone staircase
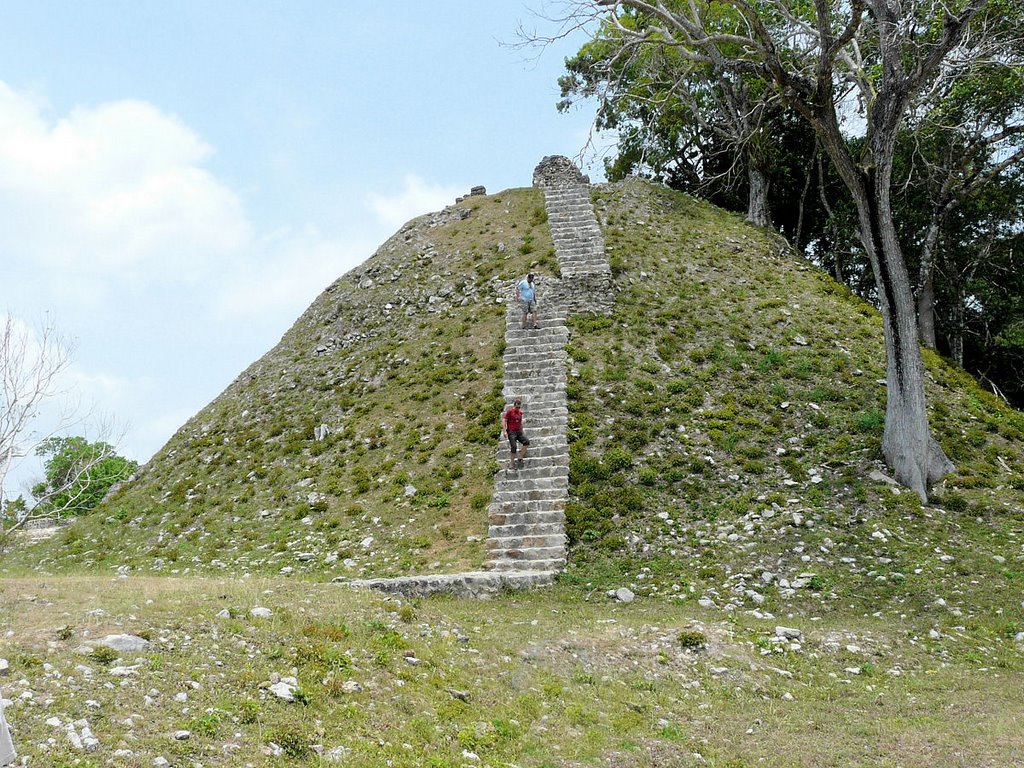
(575, 232)
(526, 540)
(527, 511)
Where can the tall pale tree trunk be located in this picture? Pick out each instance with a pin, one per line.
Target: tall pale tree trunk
(909, 448)
(758, 212)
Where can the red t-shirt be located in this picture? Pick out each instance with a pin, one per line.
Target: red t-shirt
(514, 419)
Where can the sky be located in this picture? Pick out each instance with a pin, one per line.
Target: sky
(179, 179)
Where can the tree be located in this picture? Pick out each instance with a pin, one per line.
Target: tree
(31, 365)
(681, 111)
(820, 57)
(78, 475)
(30, 368)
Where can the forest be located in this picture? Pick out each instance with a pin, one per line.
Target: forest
(807, 116)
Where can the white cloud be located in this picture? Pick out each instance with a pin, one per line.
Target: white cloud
(115, 190)
(416, 198)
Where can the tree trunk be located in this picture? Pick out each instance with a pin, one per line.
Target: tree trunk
(956, 335)
(926, 281)
(926, 311)
(914, 456)
(758, 212)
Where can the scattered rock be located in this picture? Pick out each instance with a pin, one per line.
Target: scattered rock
(285, 689)
(260, 612)
(125, 643)
(880, 477)
(788, 633)
(336, 754)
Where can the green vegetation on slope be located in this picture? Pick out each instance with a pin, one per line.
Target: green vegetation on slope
(401, 360)
(725, 421)
(725, 425)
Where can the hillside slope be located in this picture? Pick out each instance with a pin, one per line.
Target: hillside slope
(400, 359)
(724, 427)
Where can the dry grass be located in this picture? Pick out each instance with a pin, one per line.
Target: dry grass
(545, 679)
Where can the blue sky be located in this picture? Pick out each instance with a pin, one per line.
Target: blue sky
(179, 180)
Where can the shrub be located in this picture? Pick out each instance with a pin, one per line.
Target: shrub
(101, 654)
(692, 639)
(617, 459)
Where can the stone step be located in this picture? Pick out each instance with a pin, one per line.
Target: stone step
(550, 448)
(532, 552)
(499, 515)
(528, 542)
(534, 339)
(578, 233)
(518, 564)
(526, 529)
(530, 368)
(550, 321)
(542, 448)
(553, 375)
(526, 353)
(534, 466)
(542, 421)
(537, 408)
(556, 528)
(533, 343)
(520, 480)
(468, 584)
(547, 446)
(543, 451)
(548, 495)
(533, 472)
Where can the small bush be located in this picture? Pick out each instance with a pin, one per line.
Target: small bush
(692, 639)
(101, 654)
(618, 459)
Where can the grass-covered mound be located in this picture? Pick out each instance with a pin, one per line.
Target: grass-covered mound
(726, 419)
(401, 360)
(725, 423)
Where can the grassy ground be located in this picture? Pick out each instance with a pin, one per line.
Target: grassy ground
(554, 678)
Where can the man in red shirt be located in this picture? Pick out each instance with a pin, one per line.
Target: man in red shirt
(512, 428)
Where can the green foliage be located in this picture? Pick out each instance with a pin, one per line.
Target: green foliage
(78, 474)
(102, 654)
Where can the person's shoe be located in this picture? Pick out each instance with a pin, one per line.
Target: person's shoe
(519, 463)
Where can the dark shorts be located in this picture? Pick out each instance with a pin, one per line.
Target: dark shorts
(517, 435)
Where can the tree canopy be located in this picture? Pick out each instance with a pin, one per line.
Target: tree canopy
(901, 67)
(78, 475)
